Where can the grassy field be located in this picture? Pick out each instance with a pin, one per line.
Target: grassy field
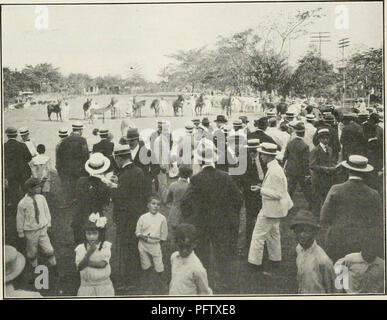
(44, 131)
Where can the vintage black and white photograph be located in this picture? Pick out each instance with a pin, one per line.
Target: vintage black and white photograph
(193, 149)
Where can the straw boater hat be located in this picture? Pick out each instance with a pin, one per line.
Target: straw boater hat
(237, 123)
(252, 144)
(77, 126)
(357, 163)
(14, 263)
(299, 126)
(244, 119)
(268, 148)
(271, 114)
(310, 117)
(304, 217)
(24, 131)
(97, 164)
(63, 132)
(103, 132)
(289, 114)
(323, 132)
(121, 150)
(189, 128)
(11, 132)
(196, 121)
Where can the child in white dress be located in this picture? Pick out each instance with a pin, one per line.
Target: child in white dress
(92, 259)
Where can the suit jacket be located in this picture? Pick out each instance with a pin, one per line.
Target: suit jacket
(16, 159)
(276, 201)
(129, 199)
(262, 136)
(374, 141)
(150, 170)
(350, 209)
(212, 199)
(72, 155)
(105, 147)
(352, 140)
(297, 158)
(321, 165)
(333, 142)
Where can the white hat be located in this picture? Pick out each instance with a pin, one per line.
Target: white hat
(97, 163)
(14, 263)
(357, 163)
(268, 148)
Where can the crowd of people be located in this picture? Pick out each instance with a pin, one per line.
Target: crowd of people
(208, 176)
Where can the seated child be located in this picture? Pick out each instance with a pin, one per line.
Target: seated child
(315, 273)
(152, 229)
(92, 259)
(365, 269)
(189, 277)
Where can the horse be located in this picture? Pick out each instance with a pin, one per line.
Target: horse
(113, 110)
(137, 107)
(226, 104)
(199, 105)
(156, 106)
(178, 104)
(86, 107)
(55, 108)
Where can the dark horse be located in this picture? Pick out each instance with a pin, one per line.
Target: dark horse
(178, 104)
(55, 108)
(86, 107)
(156, 106)
(137, 107)
(226, 104)
(199, 105)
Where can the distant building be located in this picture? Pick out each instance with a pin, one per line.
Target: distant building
(91, 90)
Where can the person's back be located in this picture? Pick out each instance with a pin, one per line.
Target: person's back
(297, 157)
(105, 147)
(72, 155)
(16, 158)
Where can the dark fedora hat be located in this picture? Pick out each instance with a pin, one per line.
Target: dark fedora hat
(220, 118)
(132, 134)
(11, 132)
(205, 121)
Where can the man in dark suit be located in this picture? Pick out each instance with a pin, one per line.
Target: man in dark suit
(129, 204)
(212, 203)
(323, 169)
(352, 138)
(105, 146)
(72, 154)
(143, 158)
(349, 209)
(296, 159)
(253, 176)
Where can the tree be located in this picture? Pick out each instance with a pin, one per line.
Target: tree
(43, 76)
(314, 76)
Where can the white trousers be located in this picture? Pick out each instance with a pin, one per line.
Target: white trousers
(265, 230)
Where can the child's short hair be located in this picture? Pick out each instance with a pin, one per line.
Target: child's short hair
(95, 131)
(154, 197)
(185, 230)
(185, 171)
(41, 149)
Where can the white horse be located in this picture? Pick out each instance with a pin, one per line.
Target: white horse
(163, 106)
(207, 107)
(189, 104)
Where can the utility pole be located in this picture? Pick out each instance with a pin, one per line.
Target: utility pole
(320, 37)
(343, 43)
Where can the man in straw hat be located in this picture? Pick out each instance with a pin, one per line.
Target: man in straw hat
(25, 135)
(16, 167)
(72, 155)
(349, 208)
(310, 130)
(276, 203)
(14, 266)
(315, 269)
(323, 167)
(296, 160)
(105, 146)
(352, 137)
(212, 203)
(129, 204)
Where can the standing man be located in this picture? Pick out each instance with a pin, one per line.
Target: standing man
(296, 161)
(129, 204)
(105, 146)
(323, 169)
(310, 130)
(349, 209)
(212, 203)
(72, 155)
(276, 203)
(220, 121)
(352, 138)
(25, 135)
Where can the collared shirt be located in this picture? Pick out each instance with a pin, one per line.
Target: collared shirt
(25, 217)
(355, 178)
(153, 225)
(189, 277)
(364, 277)
(323, 147)
(315, 273)
(126, 164)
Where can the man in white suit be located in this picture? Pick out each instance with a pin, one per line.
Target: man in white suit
(276, 203)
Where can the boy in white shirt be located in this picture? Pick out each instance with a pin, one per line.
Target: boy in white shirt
(151, 230)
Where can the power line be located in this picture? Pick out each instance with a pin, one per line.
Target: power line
(320, 37)
(343, 43)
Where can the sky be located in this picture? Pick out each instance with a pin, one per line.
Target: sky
(106, 39)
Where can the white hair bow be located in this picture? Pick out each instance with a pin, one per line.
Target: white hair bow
(99, 221)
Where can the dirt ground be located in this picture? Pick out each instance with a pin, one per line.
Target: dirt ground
(45, 131)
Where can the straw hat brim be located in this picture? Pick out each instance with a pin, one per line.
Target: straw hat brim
(99, 170)
(20, 264)
(260, 150)
(368, 168)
